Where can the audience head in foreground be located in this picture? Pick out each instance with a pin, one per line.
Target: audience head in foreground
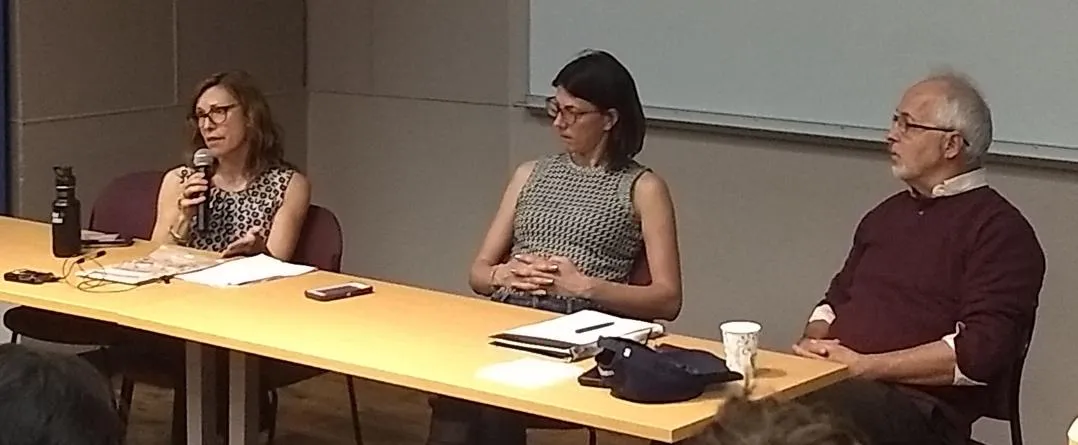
(54, 399)
(771, 422)
(256, 201)
(935, 303)
(584, 228)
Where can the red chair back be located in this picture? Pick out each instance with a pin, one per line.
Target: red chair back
(1007, 393)
(128, 205)
(320, 242)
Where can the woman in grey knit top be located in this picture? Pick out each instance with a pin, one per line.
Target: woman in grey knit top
(572, 225)
(586, 228)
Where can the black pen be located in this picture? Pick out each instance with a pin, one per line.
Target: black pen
(592, 328)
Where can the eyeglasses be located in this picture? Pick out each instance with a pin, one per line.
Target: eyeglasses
(217, 114)
(902, 125)
(553, 109)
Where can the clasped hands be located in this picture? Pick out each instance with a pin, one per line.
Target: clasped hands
(832, 350)
(537, 275)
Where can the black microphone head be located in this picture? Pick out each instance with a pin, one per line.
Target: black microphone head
(202, 158)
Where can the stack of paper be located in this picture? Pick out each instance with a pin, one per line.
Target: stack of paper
(245, 270)
(165, 261)
(573, 337)
(90, 236)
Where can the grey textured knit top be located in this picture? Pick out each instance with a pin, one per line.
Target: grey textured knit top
(232, 214)
(582, 213)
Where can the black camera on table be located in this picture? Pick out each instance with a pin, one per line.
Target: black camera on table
(28, 276)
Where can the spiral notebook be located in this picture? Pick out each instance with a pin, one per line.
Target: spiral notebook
(573, 337)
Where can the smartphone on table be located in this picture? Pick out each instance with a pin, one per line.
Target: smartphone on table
(339, 291)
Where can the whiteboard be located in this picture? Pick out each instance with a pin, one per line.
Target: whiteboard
(827, 67)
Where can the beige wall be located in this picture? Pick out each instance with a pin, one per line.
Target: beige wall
(409, 133)
(103, 85)
(412, 138)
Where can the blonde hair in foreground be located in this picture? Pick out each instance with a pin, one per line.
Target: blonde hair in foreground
(771, 422)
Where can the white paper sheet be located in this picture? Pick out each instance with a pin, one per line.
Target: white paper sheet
(245, 270)
(92, 236)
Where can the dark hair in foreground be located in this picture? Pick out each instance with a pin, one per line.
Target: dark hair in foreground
(54, 399)
(263, 133)
(771, 422)
(599, 78)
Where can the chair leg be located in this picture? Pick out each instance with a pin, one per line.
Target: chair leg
(272, 419)
(592, 440)
(179, 418)
(127, 394)
(108, 371)
(106, 364)
(1016, 429)
(357, 430)
(14, 337)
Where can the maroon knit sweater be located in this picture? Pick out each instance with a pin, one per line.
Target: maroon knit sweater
(921, 266)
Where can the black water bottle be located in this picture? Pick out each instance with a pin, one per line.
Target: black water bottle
(66, 215)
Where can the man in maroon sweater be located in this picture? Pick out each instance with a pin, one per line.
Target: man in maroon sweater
(937, 297)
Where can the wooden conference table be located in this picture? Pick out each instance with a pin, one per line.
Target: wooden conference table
(415, 338)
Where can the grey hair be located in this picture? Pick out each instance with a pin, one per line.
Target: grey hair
(965, 110)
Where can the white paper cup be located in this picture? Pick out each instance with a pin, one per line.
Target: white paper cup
(740, 340)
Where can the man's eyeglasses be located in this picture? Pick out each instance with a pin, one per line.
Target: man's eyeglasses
(553, 109)
(902, 125)
(216, 114)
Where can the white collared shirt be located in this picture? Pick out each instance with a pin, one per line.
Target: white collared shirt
(957, 185)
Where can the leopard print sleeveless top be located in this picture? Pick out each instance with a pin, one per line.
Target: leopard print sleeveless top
(232, 214)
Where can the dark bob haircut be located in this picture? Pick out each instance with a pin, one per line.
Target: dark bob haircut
(50, 398)
(599, 78)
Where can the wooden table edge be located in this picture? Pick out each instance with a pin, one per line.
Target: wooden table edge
(692, 427)
(18, 299)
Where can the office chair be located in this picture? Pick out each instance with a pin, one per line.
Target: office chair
(1006, 399)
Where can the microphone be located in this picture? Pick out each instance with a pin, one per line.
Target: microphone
(203, 163)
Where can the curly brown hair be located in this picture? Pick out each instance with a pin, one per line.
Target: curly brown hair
(263, 133)
(741, 421)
